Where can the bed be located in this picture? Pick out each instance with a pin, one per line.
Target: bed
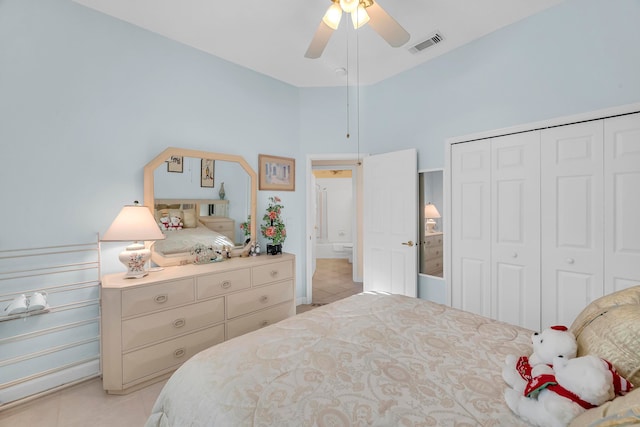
(182, 234)
(371, 359)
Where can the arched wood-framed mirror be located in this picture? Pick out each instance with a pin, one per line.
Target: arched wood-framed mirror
(151, 168)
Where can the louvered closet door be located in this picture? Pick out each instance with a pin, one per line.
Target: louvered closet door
(470, 226)
(515, 229)
(622, 202)
(572, 220)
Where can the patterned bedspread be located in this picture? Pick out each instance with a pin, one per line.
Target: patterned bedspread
(369, 360)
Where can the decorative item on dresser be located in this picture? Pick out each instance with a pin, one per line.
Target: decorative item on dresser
(134, 223)
(432, 254)
(152, 325)
(273, 227)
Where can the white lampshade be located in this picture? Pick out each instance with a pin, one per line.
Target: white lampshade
(134, 223)
(430, 211)
(349, 5)
(332, 16)
(359, 17)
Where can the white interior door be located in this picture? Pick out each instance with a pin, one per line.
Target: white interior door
(471, 227)
(390, 222)
(571, 220)
(515, 229)
(622, 202)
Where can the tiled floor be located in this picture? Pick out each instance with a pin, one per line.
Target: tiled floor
(332, 281)
(83, 405)
(86, 404)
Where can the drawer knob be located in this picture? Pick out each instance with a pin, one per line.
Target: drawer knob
(161, 299)
(515, 255)
(428, 242)
(274, 273)
(264, 323)
(179, 323)
(179, 353)
(226, 284)
(570, 260)
(264, 299)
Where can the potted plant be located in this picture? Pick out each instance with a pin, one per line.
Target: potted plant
(273, 227)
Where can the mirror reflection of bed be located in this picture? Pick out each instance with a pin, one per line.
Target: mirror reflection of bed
(211, 208)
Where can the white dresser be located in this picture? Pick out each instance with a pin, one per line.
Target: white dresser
(150, 326)
(223, 225)
(432, 254)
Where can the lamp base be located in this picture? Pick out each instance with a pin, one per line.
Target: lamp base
(134, 258)
(430, 224)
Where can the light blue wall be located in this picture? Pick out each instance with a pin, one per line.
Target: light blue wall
(86, 100)
(577, 57)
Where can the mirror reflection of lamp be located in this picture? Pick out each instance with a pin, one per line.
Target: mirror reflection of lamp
(430, 214)
(134, 223)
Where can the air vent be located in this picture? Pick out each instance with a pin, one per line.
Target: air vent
(433, 40)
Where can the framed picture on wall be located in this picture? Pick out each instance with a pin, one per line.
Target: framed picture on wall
(175, 164)
(207, 167)
(277, 173)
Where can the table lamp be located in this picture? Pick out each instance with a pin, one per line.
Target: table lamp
(134, 223)
(430, 213)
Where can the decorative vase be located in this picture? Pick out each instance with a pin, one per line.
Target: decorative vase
(221, 192)
(274, 249)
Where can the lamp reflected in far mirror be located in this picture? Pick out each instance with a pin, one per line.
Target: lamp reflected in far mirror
(430, 213)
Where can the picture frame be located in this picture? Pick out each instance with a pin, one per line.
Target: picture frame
(175, 164)
(276, 173)
(207, 173)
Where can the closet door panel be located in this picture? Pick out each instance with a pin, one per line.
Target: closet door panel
(572, 218)
(470, 220)
(515, 248)
(622, 202)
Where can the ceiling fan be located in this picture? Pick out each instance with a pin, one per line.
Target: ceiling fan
(362, 12)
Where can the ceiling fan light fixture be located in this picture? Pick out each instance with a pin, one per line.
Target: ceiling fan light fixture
(332, 16)
(359, 17)
(349, 5)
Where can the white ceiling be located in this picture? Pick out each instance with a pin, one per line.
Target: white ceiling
(271, 37)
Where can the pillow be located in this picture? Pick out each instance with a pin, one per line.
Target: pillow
(621, 411)
(189, 220)
(609, 328)
(176, 212)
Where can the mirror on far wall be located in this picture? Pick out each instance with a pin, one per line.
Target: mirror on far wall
(224, 185)
(431, 205)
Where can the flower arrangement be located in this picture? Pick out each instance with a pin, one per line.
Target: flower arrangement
(273, 227)
(246, 227)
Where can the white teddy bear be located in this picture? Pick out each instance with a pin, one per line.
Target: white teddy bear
(165, 222)
(176, 223)
(551, 342)
(578, 384)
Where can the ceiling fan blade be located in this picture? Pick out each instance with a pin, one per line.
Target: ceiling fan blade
(387, 27)
(319, 42)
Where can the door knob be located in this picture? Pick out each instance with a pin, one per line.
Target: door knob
(409, 243)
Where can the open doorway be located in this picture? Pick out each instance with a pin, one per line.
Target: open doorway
(333, 226)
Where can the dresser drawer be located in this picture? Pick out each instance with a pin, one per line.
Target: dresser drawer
(170, 354)
(222, 283)
(255, 299)
(242, 325)
(167, 324)
(433, 266)
(433, 253)
(433, 240)
(272, 272)
(159, 296)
